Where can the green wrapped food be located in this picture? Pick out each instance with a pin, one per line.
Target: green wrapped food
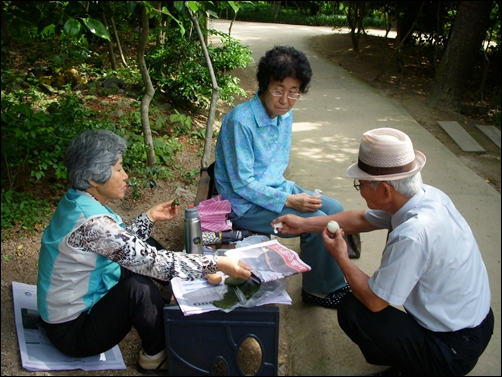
(230, 298)
(234, 281)
(249, 288)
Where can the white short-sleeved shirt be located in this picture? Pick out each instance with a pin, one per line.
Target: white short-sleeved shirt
(431, 263)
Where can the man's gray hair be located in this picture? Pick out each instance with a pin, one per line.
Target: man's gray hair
(406, 186)
(91, 156)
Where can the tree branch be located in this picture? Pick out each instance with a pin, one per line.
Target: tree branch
(214, 96)
(149, 90)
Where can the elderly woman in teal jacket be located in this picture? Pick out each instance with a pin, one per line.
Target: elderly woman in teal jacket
(95, 274)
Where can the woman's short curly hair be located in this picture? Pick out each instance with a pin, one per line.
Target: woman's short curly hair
(91, 156)
(281, 62)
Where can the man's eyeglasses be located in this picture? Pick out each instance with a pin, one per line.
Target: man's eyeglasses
(280, 93)
(357, 185)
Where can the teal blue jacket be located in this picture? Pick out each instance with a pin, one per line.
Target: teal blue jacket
(71, 280)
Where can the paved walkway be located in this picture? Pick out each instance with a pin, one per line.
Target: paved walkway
(329, 122)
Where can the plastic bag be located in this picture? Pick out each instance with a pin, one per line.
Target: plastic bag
(265, 290)
(274, 287)
(251, 240)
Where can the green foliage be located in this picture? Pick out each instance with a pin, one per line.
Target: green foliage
(257, 12)
(34, 138)
(374, 23)
(70, 49)
(142, 176)
(36, 131)
(231, 55)
(183, 125)
(197, 135)
(192, 176)
(261, 12)
(38, 125)
(21, 209)
(47, 19)
(179, 68)
(184, 121)
(96, 28)
(166, 148)
(128, 74)
(4, 54)
(146, 178)
(66, 58)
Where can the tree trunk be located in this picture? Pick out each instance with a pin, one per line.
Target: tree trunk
(214, 96)
(390, 18)
(455, 68)
(122, 57)
(6, 32)
(149, 90)
(206, 25)
(110, 45)
(232, 24)
(355, 15)
(486, 64)
(276, 7)
(438, 33)
(160, 24)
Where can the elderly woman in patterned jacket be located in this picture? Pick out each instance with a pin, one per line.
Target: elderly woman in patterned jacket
(95, 274)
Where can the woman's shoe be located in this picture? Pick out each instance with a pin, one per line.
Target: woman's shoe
(149, 366)
(331, 301)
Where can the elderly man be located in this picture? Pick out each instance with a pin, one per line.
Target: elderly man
(431, 265)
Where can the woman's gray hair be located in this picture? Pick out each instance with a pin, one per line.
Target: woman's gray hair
(406, 186)
(91, 156)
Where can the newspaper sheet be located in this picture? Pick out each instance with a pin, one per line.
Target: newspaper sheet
(270, 261)
(37, 352)
(196, 297)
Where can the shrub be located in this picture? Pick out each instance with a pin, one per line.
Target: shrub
(179, 69)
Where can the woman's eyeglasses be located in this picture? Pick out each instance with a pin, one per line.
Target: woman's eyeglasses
(280, 93)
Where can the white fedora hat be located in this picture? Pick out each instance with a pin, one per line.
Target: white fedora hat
(386, 154)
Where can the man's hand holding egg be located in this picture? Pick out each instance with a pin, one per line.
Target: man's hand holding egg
(333, 226)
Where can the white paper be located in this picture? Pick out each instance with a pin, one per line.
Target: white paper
(182, 287)
(195, 297)
(37, 352)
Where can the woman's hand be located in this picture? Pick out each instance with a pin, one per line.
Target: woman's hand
(234, 268)
(163, 211)
(304, 202)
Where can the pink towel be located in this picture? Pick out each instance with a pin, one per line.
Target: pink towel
(213, 214)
